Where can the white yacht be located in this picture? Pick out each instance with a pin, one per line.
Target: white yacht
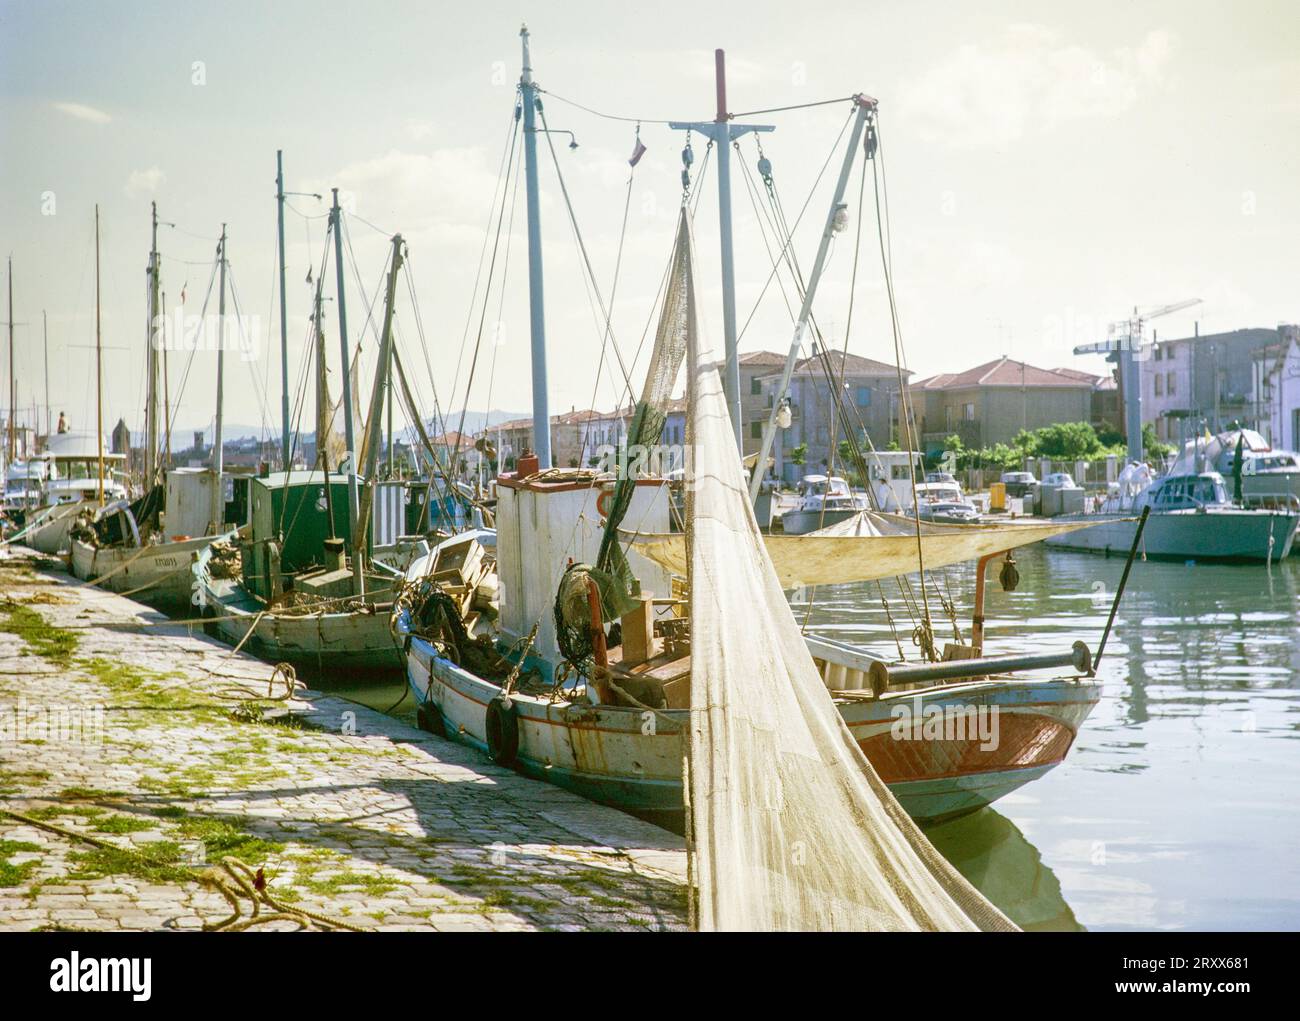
(73, 485)
(1192, 518)
(822, 501)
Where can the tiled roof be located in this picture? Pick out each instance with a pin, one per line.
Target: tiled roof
(1000, 372)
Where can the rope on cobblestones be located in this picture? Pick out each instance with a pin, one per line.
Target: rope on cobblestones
(251, 882)
(253, 886)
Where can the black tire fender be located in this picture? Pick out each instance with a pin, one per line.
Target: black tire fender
(502, 729)
(429, 719)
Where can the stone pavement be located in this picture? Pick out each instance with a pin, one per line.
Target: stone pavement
(122, 732)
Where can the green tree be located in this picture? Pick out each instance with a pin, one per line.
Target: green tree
(799, 454)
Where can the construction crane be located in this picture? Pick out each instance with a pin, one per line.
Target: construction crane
(1124, 345)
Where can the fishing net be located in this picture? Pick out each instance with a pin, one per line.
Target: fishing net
(647, 426)
(793, 829)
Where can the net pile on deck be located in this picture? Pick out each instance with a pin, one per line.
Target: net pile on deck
(793, 829)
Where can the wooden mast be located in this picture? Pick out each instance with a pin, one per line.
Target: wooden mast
(218, 486)
(9, 445)
(99, 368)
(383, 370)
(151, 360)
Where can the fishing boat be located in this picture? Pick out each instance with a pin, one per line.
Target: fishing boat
(1191, 518)
(147, 548)
(1269, 477)
(312, 580)
(551, 693)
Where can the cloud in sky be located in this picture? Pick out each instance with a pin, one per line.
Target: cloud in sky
(82, 112)
(144, 182)
(1030, 79)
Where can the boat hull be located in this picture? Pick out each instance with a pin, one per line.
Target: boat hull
(632, 759)
(342, 644)
(1216, 535)
(159, 575)
(801, 522)
(49, 527)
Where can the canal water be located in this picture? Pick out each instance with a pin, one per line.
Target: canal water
(1177, 807)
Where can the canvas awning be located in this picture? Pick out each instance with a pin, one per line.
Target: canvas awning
(867, 547)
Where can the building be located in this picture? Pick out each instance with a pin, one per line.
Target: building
(870, 396)
(1206, 381)
(1107, 410)
(1275, 390)
(992, 402)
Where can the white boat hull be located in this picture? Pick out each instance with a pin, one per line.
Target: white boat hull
(1221, 535)
(801, 522)
(48, 532)
(159, 574)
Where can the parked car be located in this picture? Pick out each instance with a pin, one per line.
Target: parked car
(1018, 483)
(1063, 480)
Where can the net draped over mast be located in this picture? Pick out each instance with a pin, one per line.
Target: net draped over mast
(793, 829)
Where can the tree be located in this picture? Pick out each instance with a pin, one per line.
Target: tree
(1152, 448)
(799, 454)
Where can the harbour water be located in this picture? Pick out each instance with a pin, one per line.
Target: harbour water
(1177, 806)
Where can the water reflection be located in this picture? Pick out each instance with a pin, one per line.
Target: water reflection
(1176, 807)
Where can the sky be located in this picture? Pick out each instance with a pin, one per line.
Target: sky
(1049, 167)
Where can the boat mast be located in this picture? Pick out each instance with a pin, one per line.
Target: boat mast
(167, 396)
(722, 132)
(151, 359)
(9, 445)
(536, 304)
(99, 368)
(336, 225)
(322, 394)
(383, 375)
(218, 458)
(284, 324)
(45, 338)
(866, 109)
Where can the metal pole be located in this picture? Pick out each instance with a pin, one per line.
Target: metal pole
(284, 327)
(865, 108)
(45, 337)
(218, 455)
(1123, 581)
(1132, 375)
(536, 304)
(9, 445)
(722, 139)
(99, 361)
(151, 358)
(354, 499)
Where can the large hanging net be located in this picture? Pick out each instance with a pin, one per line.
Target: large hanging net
(793, 829)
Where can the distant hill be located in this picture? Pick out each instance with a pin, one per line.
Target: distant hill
(475, 421)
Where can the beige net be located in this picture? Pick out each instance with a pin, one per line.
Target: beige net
(793, 829)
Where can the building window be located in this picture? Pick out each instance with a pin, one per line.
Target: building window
(1170, 387)
(1160, 384)
(864, 397)
(755, 387)
(968, 412)
(756, 430)
(1160, 353)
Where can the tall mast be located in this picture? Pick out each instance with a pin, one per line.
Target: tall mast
(167, 396)
(45, 338)
(99, 368)
(723, 133)
(354, 499)
(9, 446)
(151, 360)
(218, 458)
(536, 304)
(284, 327)
(383, 373)
(322, 388)
(866, 107)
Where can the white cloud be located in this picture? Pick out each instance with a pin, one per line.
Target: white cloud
(1028, 80)
(144, 182)
(82, 112)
